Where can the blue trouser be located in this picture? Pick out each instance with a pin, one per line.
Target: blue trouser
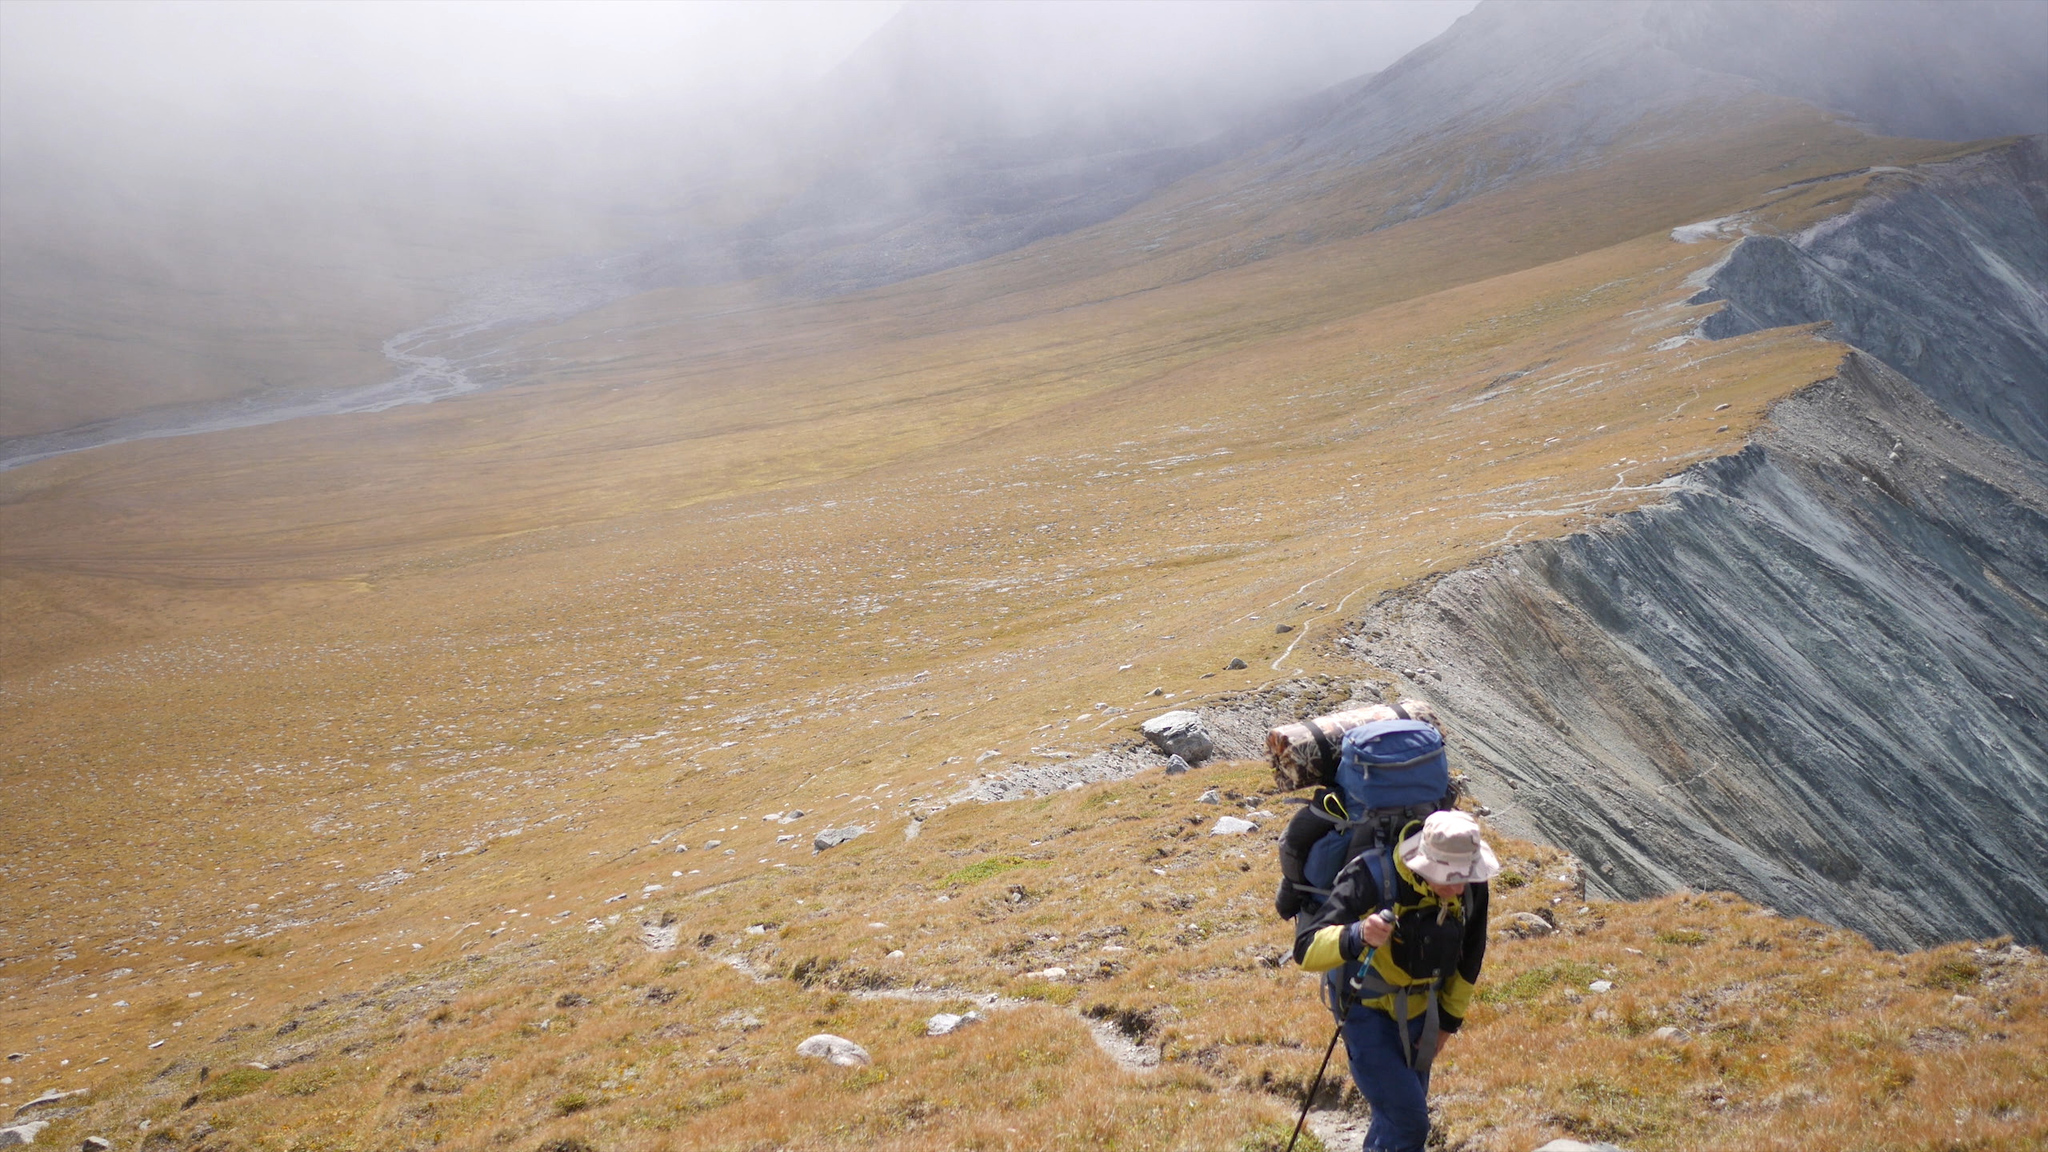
(1399, 1095)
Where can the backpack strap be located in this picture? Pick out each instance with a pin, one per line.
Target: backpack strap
(1401, 710)
(1326, 752)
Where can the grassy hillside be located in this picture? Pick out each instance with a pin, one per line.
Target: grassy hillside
(356, 747)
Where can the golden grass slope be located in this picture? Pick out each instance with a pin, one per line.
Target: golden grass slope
(389, 724)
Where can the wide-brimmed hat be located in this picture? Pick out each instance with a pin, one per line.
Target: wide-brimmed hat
(1449, 850)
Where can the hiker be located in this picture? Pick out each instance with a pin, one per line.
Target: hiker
(1401, 938)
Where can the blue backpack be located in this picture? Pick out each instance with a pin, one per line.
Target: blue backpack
(1389, 773)
(1392, 764)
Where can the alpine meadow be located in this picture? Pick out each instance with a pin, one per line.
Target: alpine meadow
(516, 618)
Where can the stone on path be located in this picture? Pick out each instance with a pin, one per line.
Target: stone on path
(834, 837)
(1231, 826)
(945, 1023)
(835, 1050)
(658, 937)
(1180, 733)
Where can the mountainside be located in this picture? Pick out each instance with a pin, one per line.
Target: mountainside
(538, 767)
(1816, 676)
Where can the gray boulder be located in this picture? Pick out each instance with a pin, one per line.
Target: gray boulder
(834, 837)
(22, 1133)
(1525, 924)
(835, 1050)
(48, 1098)
(1180, 733)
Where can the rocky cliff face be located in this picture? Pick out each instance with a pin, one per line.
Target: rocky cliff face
(1818, 674)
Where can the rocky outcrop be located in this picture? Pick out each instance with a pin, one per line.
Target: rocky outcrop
(1818, 673)
(1181, 734)
(1940, 273)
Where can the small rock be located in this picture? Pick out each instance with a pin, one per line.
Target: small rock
(22, 1133)
(710, 844)
(682, 847)
(1181, 734)
(1577, 1146)
(896, 955)
(1048, 974)
(1231, 826)
(911, 829)
(835, 1050)
(988, 755)
(1235, 664)
(1283, 629)
(17, 1055)
(1720, 407)
(1156, 692)
(834, 837)
(946, 1023)
(1175, 766)
(96, 1144)
(1667, 1032)
(1600, 986)
(1212, 796)
(50, 1097)
(1522, 925)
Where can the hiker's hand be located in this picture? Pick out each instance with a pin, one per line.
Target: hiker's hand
(1376, 930)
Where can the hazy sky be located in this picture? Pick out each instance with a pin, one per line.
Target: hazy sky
(207, 59)
(459, 54)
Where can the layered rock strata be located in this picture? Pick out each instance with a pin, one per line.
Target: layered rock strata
(1818, 673)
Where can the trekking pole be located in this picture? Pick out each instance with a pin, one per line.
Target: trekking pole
(1312, 1088)
(1327, 1053)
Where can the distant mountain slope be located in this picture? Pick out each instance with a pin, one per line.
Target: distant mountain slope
(944, 173)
